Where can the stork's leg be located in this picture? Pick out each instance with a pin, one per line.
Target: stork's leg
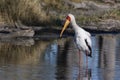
(78, 78)
(80, 58)
(86, 62)
(80, 66)
(86, 59)
(86, 65)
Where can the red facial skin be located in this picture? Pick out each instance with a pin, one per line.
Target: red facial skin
(68, 18)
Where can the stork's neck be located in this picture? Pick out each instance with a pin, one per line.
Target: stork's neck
(75, 26)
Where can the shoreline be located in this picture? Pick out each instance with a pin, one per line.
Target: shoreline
(30, 33)
(93, 16)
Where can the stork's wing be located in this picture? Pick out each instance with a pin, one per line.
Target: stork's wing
(88, 34)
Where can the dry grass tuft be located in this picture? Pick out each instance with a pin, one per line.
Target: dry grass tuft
(30, 12)
(27, 11)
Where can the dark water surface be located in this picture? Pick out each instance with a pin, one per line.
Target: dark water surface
(58, 59)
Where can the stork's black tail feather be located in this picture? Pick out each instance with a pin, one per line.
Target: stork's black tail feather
(89, 54)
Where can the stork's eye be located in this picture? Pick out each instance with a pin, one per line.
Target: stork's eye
(68, 18)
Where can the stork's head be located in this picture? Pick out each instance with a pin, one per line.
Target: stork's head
(69, 18)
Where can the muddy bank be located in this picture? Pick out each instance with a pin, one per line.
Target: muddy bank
(106, 26)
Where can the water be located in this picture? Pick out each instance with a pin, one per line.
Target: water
(58, 59)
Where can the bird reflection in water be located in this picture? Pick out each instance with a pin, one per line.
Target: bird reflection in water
(84, 74)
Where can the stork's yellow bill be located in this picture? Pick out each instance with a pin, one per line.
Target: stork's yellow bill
(65, 26)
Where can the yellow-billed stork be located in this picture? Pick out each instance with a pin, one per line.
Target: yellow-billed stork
(82, 37)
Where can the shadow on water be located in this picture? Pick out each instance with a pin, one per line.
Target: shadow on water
(57, 59)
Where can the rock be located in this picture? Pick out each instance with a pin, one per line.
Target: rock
(19, 30)
(109, 1)
(88, 5)
(109, 25)
(15, 32)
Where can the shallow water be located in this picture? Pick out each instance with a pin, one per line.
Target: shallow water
(58, 59)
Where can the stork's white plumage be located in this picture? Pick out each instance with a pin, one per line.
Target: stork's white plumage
(82, 37)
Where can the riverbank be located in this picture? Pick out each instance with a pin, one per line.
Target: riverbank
(92, 15)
